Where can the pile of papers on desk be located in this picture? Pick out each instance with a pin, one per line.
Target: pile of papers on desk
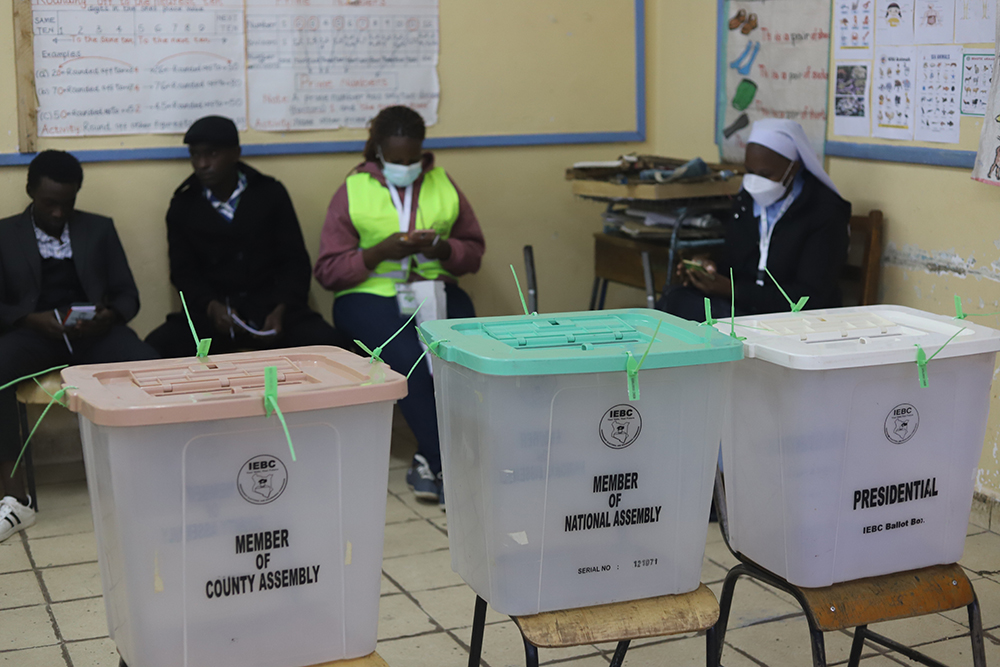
(651, 169)
(639, 223)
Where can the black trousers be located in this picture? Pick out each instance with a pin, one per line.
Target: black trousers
(23, 351)
(300, 327)
(689, 303)
(372, 319)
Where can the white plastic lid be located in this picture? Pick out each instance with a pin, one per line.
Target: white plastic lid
(856, 337)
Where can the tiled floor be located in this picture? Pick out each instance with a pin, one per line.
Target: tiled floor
(52, 612)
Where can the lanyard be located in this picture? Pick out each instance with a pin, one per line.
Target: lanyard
(403, 208)
(765, 237)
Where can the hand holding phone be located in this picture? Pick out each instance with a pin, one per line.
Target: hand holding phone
(423, 237)
(79, 312)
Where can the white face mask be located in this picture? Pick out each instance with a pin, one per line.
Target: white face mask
(400, 175)
(765, 191)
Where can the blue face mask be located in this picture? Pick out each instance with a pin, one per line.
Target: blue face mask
(400, 175)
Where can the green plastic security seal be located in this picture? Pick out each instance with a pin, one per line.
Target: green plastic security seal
(577, 342)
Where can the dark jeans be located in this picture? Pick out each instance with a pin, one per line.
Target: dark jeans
(689, 303)
(300, 327)
(372, 319)
(23, 351)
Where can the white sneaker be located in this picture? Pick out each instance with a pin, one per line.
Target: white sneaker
(14, 517)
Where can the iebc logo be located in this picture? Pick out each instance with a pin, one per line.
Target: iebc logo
(620, 426)
(901, 423)
(262, 479)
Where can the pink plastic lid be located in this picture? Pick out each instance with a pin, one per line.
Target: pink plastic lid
(225, 386)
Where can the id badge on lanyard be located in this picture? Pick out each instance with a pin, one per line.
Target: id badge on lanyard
(765, 238)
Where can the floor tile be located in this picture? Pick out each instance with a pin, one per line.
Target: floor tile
(712, 573)
(62, 521)
(686, 651)
(395, 463)
(397, 511)
(421, 571)
(73, 581)
(412, 537)
(48, 656)
(755, 603)
(787, 642)
(397, 481)
(919, 630)
(714, 533)
(982, 553)
(590, 661)
(13, 557)
(979, 518)
(20, 589)
(64, 550)
(453, 607)
(25, 628)
(388, 587)
(82, 619)
(718, 553)
(94, 653)
(59, 496)
(988, 593)
(399, 616)
(422, 508)
(434, 650)
(503, 647)
(441, 522)
(959, 652)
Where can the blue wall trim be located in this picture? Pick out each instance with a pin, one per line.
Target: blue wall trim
(485, 141)
(720, 69)
(941, 157)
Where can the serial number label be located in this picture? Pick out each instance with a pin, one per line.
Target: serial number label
(645, 562)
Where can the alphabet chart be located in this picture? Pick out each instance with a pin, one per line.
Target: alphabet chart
(106, 67)
(336, 64)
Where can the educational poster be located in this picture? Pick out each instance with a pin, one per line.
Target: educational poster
(938, 108)
(777, 55)
(323, 66)
(892, 95)
(854, 28)
(987, 167)
(977, 77)
(105, 69)
(852, 117)
(894, 22)
(934, 22)
(975, 21)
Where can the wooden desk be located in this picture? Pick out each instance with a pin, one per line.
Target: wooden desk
(642, 264)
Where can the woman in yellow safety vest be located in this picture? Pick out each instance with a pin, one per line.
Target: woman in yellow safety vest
(397, 233)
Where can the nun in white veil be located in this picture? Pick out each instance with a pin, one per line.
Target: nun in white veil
(789, 219)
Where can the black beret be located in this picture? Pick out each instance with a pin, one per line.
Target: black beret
(214, 130)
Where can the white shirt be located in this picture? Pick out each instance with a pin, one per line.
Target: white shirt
(52, 248)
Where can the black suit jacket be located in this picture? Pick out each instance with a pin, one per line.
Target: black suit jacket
(807, 254)
(97, 254)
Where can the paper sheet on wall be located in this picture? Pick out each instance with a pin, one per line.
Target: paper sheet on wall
(337, 64)
(133, 67)
(987, 167)
(975, 21)
(934, 22)
(977, 77)
(852, 117)
(894, 22)
(776, 67)
(939, 81)
(854, 28)
(893, 92)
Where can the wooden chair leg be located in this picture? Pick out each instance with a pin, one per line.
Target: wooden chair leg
(857, 646)
(976, 634)
(28, 461)
(478, 625)
(530, 653)
(619, 656)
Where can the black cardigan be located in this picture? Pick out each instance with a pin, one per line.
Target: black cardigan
(258, 260)
(807, 254)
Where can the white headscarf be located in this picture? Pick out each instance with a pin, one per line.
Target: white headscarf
(787, 138)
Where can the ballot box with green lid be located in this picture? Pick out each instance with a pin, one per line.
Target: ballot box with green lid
(215, 546)
(853, 439)
(566, 488)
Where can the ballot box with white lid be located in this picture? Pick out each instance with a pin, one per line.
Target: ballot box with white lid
(563, 492)
(215, 547)
(838, 463)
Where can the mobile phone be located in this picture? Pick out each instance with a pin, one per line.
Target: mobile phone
(692, 264)
(423, 235)
(79, 312)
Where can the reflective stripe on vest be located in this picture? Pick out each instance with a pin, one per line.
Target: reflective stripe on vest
(375, 218)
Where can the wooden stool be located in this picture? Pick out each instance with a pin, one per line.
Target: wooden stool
(859, 603)
(29, 393)
(371, 660)
(617, 622)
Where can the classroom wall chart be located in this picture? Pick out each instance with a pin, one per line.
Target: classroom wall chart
(776, 58)
(136, 67)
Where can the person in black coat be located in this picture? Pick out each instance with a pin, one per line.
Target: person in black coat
(52, 257)
(236, 254)
(790, 213)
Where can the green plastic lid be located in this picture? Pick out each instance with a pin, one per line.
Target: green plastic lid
(585, 342)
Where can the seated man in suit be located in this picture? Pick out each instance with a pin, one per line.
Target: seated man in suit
(237, 254)
(51, 257)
